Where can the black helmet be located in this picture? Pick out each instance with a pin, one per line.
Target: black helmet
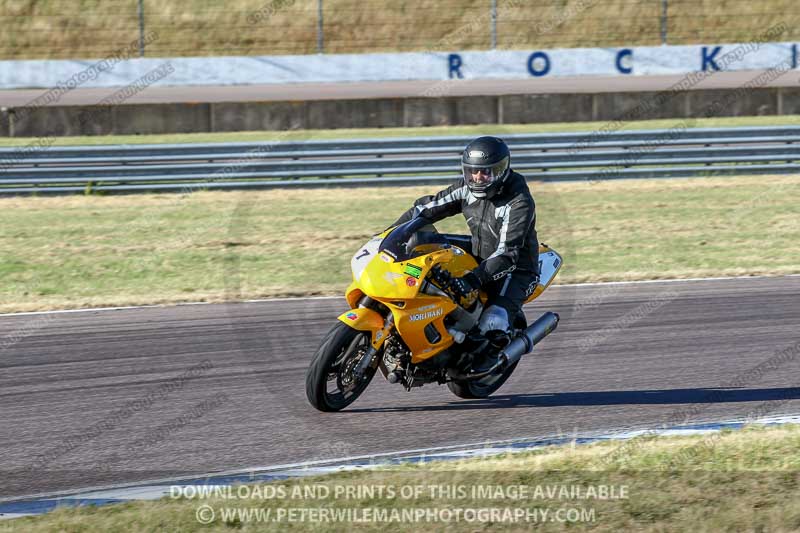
(485, 163)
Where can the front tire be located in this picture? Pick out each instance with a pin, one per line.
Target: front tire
(330, 383)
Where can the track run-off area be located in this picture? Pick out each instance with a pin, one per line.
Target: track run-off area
(103, 397)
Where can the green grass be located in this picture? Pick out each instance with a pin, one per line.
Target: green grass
(83, 251)
(368, 133)
(733, 481)
(93, 28)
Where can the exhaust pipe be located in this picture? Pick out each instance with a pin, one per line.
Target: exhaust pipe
(521, 345)
(524, 343)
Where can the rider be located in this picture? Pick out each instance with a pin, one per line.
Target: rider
(500, 213)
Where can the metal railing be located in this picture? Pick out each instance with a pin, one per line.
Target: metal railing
(268, 27)
(402, 161)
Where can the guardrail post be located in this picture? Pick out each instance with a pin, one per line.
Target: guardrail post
(664, 6)
(493, 22)
(320, 31)
(141, 28)
(10, 114)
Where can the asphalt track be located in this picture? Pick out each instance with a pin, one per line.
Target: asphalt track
(102, 397)
(396, 89)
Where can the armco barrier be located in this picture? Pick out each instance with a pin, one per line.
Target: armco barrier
(678, 152)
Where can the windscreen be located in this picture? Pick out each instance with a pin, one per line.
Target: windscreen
(406, 240)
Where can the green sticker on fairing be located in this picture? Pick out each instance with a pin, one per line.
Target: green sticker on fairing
(413, 270)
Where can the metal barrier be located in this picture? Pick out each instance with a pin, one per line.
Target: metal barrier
(402, 161)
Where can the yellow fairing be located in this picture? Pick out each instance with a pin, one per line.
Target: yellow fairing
(411, 322)
(353, 294)
(383, 278)
(418, 317)
(364, 319)
(397, 285)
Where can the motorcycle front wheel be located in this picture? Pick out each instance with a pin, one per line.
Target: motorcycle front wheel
(331, 383)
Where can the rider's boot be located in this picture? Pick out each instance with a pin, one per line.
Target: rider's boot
(487, 356)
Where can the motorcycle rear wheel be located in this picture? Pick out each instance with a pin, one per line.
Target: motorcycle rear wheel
(480, 388)
(330, 383)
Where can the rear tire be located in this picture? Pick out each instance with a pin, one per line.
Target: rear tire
(330, 384)
(480, 388)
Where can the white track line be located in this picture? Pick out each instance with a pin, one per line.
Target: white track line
(301, 298)
(462, 451)
(275, 468)
(683, 280)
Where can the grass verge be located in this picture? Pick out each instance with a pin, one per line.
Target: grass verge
(746, 480)
(78, 251)
(368, 133)
(44, 29)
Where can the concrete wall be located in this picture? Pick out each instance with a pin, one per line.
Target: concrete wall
(123, 68)
(392, 112)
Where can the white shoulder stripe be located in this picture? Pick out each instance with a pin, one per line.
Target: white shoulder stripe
(456, 195)
(505, 212)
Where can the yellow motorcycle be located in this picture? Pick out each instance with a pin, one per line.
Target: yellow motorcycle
(405, 320)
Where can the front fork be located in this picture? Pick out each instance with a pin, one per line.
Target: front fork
(365, 319)
(370, 359)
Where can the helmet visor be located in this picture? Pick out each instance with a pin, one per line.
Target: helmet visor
(479, 177)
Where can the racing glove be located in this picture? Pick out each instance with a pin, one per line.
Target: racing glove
(466, 288)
